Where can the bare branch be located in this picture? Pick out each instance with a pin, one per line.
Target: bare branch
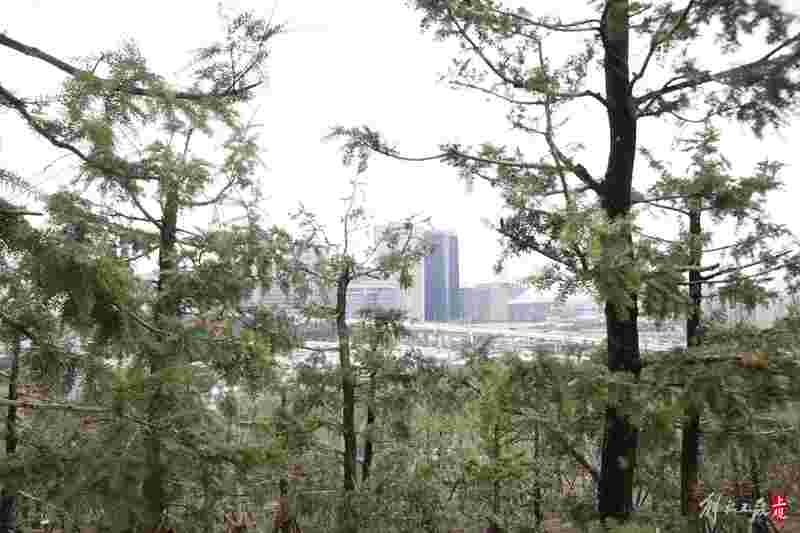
(698, 268)
(319, 350)
(742, 267)
(554, 96)
(720, 248)
(567, 27)
(453, 153)
(217, 197)
(662, 206)
(532, 245)
(656, 41)
(142, 322)
(658, 239)
(516, 83)
(495, 94)
(21, 212)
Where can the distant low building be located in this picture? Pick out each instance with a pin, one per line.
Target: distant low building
(530, 306)
(586, 311)
(488, 302)
(292, 300)
(475, 303)
(369, 293)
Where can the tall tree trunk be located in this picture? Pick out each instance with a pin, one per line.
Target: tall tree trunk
(347, 520)
(166, 309)
(620, 439)
(8, 496)
(538, 513)
(285, 522)
(495, 482)
(368, 440)
(690, 447)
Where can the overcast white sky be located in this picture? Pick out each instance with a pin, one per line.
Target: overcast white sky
(348, 62)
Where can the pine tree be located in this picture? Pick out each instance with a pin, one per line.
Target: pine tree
(582, 221)
(199, 273)
(379, 336)
(48, 290)
(396, 252)
(711, 192)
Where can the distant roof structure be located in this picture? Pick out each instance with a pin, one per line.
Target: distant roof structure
(362, 283)
(532, 296)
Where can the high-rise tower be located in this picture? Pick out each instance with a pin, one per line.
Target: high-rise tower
(442, 277)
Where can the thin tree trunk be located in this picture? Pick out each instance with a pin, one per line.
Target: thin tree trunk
(620, 439)
(690, 447)
(495, 482)
(368, 442)
(167, 307)
(538, 514)
(755, 468)
(8, 497)
(285, 522)
(347, 521)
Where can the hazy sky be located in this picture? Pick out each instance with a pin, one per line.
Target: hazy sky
(348, 62)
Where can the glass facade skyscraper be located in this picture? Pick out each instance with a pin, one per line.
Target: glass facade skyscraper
(442, 278)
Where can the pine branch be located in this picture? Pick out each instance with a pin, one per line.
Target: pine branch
(21, 212)
(551, 428)
(142, 322)
(742, 267)
(53, 405)
(19, 326)
(724, 76)
(75, 72)
(22, 109)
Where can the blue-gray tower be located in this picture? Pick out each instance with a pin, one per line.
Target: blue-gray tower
(441, 278)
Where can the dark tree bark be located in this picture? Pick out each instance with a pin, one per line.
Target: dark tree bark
(8, 511)
(368, 441)
(620, 440)
(347, 522)
(8, 497)
(283, 526)
(538, 512)
(690, 446)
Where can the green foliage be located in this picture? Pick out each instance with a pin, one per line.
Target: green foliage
(80, 272)
(709, 191)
